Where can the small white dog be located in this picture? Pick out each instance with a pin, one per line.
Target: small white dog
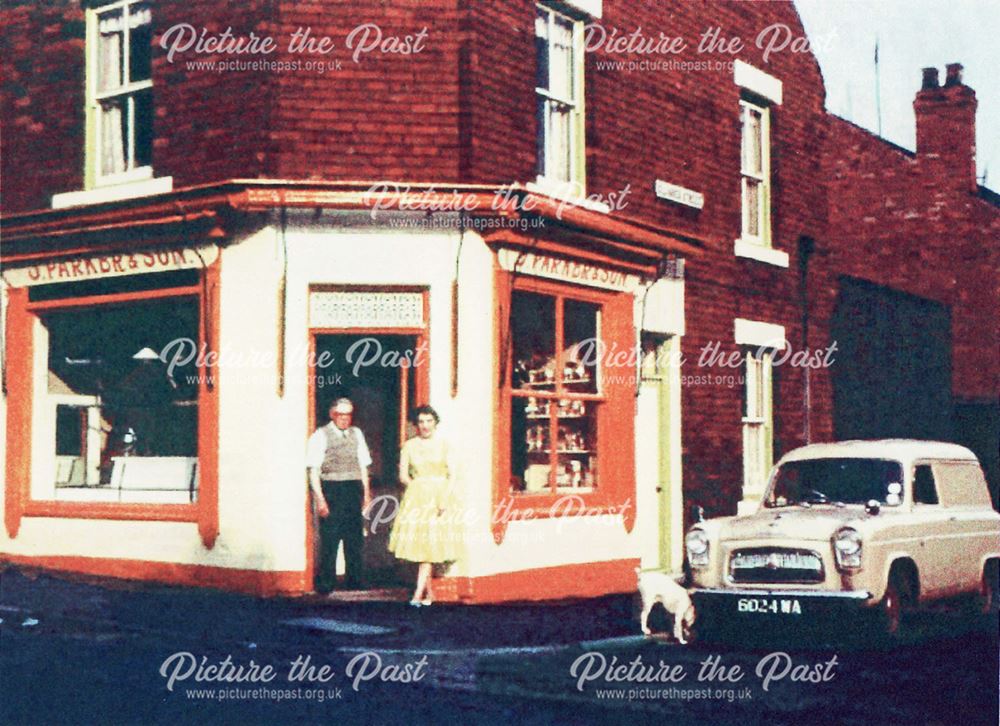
(656, 586)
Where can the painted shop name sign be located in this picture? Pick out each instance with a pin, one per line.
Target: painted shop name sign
(94, 267)
(555, 268)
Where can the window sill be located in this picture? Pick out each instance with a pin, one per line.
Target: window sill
(548, 492)
(757, 251)
(592, 8)
(114, 192)
(113, 510)
(571, 192)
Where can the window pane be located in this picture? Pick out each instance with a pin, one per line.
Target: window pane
(140, 42)
(136, 419)
(577, 443)
(541, 114)
(114, 135)
(70, 425)
(753, 388)
(530, 448)
(924, 489)
(582, 349)
(541, 50)
(143, 128)
(533, 334)
(751, 207)
(851, 481)
(754, 473)
(561, 60)
(752, 157)
(110, 50)
(559, 142)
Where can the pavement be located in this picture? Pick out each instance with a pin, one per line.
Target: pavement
(264, 621)
(82, 649)
(79, 649)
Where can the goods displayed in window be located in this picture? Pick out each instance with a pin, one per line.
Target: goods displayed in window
(554, 395)
(124, 419)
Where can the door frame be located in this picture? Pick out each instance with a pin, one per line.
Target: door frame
(421, 382)
(663, 383)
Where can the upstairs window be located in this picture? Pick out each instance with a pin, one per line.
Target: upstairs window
(119, 92)
(755, 170)
(758, 422)
(559, 97)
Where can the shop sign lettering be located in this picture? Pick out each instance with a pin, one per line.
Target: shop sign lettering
(93, 267)
(555, 268)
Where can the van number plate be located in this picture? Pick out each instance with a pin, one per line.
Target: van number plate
(769, 605)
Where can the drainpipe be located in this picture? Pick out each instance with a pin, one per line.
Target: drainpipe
(282, 302)
(806, 248)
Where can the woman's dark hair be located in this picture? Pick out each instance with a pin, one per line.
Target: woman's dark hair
(425, 409)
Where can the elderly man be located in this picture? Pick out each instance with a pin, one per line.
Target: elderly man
(337, 457)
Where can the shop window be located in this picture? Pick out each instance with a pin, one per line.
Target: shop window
(123, 420)
(555, 396)
(755, 170)
(758, 425)
(559, 97)
(119, 92)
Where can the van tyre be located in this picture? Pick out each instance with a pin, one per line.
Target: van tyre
(988, 601)
(890, 608)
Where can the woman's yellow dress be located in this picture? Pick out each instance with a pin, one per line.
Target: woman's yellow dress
(420, 533)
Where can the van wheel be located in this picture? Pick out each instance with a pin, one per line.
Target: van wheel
(988, 601)
(890, 609)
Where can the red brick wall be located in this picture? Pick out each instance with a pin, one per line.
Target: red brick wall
(463, 110)
(41, 102)
(908, 222)
(211, 126)
(389, 116)
(684, 127)
(208, 126)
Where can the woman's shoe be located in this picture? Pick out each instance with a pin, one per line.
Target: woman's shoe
(426, 602)
(415, 603)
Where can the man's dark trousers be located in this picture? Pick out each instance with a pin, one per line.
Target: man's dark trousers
(344, 522)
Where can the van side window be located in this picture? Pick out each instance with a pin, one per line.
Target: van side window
(924, 491)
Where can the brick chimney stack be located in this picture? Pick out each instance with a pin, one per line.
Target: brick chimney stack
(946, 125)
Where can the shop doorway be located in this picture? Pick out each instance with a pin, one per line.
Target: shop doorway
(384, 375)
(659, 504)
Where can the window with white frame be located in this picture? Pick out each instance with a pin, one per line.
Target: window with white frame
(758, 424)
(559, 96)
(755, 171)
(120, 92)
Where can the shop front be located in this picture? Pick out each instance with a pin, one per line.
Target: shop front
(160, 388)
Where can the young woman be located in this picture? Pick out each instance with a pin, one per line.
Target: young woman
(421, 532)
